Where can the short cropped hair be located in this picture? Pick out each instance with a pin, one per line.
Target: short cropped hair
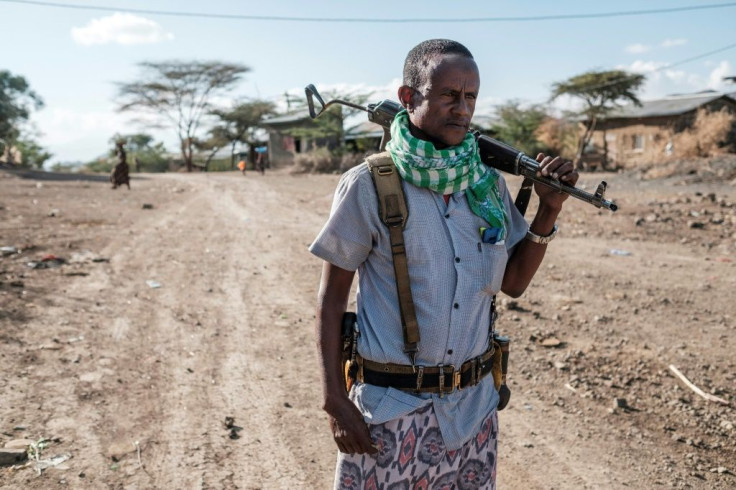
(419, 58)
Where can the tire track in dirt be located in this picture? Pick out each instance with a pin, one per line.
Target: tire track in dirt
(282, 374)
(236, 319)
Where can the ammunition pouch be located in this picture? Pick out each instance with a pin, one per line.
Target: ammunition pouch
(349, 333)
(500, 368)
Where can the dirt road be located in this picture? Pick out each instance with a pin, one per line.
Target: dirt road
(173, 347)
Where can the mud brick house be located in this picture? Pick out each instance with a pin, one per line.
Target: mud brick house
(631, 134)
(285, 140)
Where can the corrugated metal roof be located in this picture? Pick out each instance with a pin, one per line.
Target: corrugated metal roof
(297, 116)
(669, 106)
(366, 129)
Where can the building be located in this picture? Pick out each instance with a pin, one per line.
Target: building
(364, 137)
(294, 133)
(630, 135)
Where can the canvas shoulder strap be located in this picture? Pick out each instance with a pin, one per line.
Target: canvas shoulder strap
(394, 213)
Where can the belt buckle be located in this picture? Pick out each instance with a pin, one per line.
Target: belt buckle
(454, 379)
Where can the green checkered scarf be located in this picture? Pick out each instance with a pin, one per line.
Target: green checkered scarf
(447, 171)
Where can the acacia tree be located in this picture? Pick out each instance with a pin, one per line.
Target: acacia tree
(143, 152)
(179, 94)
(517, 125)
(238, 124)
(31, 153)
(16, 102)
(331, 122)
(601, 91)
(215, 141)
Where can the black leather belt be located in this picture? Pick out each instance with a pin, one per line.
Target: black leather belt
(425, 379)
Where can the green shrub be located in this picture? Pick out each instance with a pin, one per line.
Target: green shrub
(220, 165)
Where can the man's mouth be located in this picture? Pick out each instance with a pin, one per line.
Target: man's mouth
(459, 125)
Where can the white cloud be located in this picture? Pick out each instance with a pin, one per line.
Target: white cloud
(638, 48)
(121, 29)
(640, 66)
(663, 81)
(376, 93)
(715, 79)
(669, 43)
(343, 91)
(73, 135)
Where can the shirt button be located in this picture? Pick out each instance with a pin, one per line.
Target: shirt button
(457, 259)
(446, 216)
(449, 352)
(456, 306)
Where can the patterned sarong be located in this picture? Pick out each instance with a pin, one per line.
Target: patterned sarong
(412, 455)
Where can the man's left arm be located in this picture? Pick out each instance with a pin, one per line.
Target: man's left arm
(527, 257)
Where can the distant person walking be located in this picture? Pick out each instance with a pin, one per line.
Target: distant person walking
(120, 174)
(262, 159)
(241, 166)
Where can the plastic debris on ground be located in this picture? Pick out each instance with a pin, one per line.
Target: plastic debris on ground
(8, 250)
(47, 262)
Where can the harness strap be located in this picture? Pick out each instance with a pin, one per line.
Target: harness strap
(524, 195)
(393, 212)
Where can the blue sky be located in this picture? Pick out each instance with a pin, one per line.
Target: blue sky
(73, 57)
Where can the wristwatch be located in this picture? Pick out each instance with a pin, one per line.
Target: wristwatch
(542, 240)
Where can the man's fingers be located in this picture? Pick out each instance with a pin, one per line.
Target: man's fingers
(355, 441)
(547, 164)
(558, 168)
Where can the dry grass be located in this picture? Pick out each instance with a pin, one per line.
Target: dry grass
(319, 160)
(322, 161)
(712, 134)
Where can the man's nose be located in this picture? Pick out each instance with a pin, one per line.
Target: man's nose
(462, 107)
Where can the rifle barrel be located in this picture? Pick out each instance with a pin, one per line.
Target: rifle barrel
(503, 157)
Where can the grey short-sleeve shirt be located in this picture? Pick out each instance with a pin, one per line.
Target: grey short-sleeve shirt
(454, 276)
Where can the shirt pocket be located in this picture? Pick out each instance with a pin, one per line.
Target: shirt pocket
(494, 257)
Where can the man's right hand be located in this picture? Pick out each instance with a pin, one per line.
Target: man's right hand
(349, 430)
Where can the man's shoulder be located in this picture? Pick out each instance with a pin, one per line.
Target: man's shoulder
(362, 171)
(355, 176)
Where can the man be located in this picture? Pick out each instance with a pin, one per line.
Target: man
(390, 435)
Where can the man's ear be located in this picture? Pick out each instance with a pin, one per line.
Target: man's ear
(406, 95)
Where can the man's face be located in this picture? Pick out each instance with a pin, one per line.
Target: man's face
(440, 111)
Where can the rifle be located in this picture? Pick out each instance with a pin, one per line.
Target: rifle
(492, 152)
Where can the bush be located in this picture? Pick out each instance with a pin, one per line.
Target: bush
(220, 165)
(558, 137)
(317, 161)
(712, 133)
(149, 162)
(101, 165)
